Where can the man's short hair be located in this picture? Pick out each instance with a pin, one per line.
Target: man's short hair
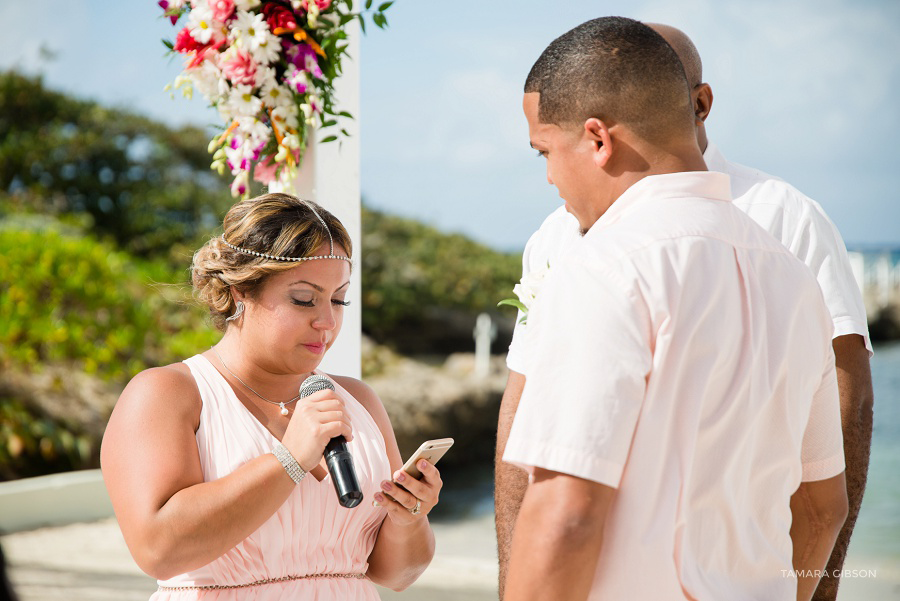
(617, 70)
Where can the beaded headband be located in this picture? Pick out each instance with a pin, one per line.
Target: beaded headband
(330, 255)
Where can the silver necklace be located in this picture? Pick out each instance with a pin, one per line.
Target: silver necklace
(284, 410)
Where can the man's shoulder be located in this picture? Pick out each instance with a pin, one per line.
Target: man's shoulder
(556, 224)
(558, 230)
(751, 187)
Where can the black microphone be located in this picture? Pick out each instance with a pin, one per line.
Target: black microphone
(337, 455)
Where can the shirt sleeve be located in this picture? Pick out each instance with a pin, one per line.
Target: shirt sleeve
(822, 453)
(587, 370)
(817, 242)
(515, 357)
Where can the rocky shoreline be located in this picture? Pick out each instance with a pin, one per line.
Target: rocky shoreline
(437, 398)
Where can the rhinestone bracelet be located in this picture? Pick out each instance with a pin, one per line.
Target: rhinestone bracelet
(288, 462)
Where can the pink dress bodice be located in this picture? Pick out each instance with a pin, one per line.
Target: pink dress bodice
(309, 535)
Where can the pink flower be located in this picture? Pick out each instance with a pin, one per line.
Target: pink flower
(303, 57)
(185, 42)
(240, 184)
(264, 172)
(320, 4)
(222, 9)
(297, 79)
(240, 69)
(164, 4)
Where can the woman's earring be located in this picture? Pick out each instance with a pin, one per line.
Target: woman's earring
(238, 312)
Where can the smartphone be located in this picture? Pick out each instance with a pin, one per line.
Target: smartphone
(431, 451)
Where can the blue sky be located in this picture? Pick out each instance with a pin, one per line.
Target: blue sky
(807, 90)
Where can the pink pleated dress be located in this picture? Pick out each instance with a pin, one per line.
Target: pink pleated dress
(311, 548)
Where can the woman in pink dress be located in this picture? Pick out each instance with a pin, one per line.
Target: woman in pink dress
(215, 465)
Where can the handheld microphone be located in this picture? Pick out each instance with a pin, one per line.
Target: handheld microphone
(337, 455)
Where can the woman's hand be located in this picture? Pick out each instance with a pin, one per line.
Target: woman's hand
(403, 495)
(316, 419)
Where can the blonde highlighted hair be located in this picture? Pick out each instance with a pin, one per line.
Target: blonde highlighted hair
(274, 224)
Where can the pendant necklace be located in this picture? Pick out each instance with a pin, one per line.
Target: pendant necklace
(284, 410)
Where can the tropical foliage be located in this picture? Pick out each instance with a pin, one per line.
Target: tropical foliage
(100, 211)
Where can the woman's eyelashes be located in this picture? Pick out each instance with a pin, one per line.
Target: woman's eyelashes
(310, 303)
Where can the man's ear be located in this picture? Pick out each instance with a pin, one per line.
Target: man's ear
(598, 133)
(703, 99)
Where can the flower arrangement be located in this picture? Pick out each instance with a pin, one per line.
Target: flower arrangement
(268, 67)
(527, 290)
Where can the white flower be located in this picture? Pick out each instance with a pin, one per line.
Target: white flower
(242, 101)
(289, 143)
(312, 15)
(266, 77)
(241, 184)
(298, 79)
(246, 5)
(183, 83)
(209, 80)
(201, 24)
(274, 95)
(310, 108)
(286, 117)
(240, 153)
(255, 131)
(268, 50)
(528, 289)
(250, 30)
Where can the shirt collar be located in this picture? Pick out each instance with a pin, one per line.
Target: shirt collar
(687, 184)
(714, 159)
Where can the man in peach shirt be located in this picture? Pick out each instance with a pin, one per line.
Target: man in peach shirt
(680, 420)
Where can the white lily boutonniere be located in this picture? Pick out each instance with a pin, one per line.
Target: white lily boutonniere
(526, 291)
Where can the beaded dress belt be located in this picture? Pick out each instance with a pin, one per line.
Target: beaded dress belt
(216, 587)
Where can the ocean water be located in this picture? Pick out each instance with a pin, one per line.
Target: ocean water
(877, 532)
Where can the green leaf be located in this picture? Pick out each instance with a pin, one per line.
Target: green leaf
(350, 5)
(345, 132)
(345, 114)
(362, 23)
(368, 4)
(329, 123)
(379, 20)
(328, 139)
(385, 6)
(168, 44)
(512, 302)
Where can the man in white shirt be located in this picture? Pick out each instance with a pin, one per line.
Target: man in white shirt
(681, 420)
(802, 226)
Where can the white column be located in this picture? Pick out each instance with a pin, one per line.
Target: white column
(330, 177)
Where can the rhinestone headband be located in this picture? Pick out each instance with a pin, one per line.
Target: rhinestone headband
(330, 255)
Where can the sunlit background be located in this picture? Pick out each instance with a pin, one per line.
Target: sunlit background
(806, 90)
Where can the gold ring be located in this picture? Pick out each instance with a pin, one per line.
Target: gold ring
(417, 509)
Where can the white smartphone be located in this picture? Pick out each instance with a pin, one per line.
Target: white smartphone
(431, 451)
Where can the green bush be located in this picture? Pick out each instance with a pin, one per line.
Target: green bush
(409, 269)
(68, 298)
(32, 444)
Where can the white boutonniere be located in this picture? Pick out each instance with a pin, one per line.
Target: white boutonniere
(526, 291)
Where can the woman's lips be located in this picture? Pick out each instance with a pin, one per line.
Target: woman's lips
(317, 348)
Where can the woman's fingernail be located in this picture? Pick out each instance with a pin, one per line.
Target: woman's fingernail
(401, 477)
(386, 485)
(423, 464)
(379, 497)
